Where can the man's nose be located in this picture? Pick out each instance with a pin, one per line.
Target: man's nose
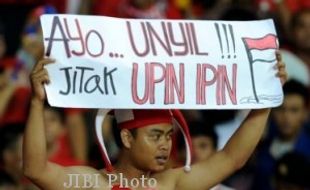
(164, 144)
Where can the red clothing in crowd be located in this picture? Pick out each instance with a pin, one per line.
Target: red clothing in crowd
(63, 156)
(17, 111)
(123, 9)
(292, 5)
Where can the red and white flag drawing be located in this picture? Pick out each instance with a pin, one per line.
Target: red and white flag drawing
(261, 47)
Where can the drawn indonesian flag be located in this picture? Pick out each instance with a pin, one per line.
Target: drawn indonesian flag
(260, 50)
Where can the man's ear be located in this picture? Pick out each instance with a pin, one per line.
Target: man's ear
(126, 137)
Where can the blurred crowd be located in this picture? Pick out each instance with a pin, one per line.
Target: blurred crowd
(281, 160)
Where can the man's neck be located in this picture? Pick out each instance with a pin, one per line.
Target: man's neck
(127, 168)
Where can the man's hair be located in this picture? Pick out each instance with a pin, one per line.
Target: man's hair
(238, 13)
(59, 111)
(117, 134)
(295, 87)
(197, 129)
(8, 136)
(295, 20)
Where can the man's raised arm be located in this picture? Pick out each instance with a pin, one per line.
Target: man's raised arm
(36, 167)
(234, 155)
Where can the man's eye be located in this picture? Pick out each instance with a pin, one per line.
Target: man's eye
(169, 136)
(156, 137)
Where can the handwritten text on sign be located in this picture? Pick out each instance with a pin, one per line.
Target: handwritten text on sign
(105, 62)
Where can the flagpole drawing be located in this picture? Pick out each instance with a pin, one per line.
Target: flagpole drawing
(269, 41)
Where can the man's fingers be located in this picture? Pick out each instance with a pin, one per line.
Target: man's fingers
(278, 56)
(41, 64)
(40, 75)
(42, 79)
(280, 65)
(282, 74)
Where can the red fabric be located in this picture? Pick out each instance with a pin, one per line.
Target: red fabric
(122, 9)
(63, 155)
(9, 62)
(292, 5)
(72, 111)
(117, 187)
(107, 7)
(17, 111)
(141, 118)
(172, 12)
(60, 5)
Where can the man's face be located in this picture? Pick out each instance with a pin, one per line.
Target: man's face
(53, 124)
(301, 32)
(291, 115)
(150, 148)
(203, 148)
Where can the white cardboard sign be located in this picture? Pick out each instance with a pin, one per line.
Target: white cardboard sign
(104, 62)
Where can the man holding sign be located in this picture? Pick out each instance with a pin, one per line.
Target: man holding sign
(84, 76)
(132, 165)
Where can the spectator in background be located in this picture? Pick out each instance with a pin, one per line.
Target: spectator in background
(300, 27)
(11, 139)
(289, 119)
(292, 172)
(147, 9)
(58, 147)
(14, 88)
(32, 50)
(282, 10)
(32, 45)
(204, 142)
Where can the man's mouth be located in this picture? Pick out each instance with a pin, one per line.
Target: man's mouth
(161, 159)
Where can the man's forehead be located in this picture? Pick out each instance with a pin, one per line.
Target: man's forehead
(164, 127)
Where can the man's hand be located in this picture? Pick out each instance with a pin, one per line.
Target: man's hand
(280, 66)
(38, 78)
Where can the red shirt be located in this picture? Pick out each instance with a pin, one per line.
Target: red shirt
(17, 110)
(292, 5)
(63, 155)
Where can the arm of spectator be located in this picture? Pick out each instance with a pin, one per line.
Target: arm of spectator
(236, 152)
(36, 166)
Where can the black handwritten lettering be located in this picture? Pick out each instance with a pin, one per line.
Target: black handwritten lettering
(51, 39)
(78, 38)
(107, 74)
(68, 80)
(66, 38)
(87, 81)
